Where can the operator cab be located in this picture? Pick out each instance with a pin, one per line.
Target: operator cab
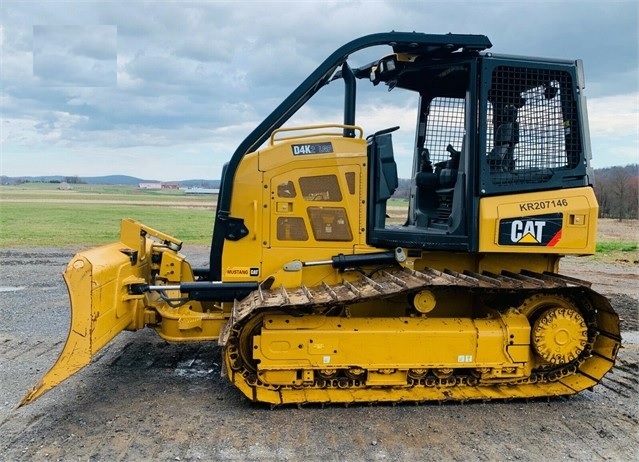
(486, 125)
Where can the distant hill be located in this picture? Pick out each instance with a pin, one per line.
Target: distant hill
(108, 179)
(114, 179)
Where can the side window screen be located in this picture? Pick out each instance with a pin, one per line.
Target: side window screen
(531, 125)
(350, 182)
(320, 188)
(291, 229)
(329, 224)
(286, 189)
(444, 126)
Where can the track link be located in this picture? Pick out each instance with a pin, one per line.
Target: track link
(506, 289)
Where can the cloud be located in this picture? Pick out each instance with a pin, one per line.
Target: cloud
(614, 128)
(77, 56)
(613, 115)
(143, 82)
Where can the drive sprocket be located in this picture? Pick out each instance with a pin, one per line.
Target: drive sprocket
(559, 335)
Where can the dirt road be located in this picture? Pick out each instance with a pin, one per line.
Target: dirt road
(145, 399)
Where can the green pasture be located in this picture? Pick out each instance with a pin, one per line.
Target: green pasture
(617, 246)
(42, 215)
(50, 224)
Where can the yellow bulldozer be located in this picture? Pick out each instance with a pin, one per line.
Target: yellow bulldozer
(316, 296)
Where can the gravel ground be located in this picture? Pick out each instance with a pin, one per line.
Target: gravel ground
(144, 398)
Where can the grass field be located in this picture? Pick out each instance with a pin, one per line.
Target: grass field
(42, 215)
(39, 214)
(618, 241)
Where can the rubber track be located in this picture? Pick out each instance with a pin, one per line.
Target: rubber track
(585, 372)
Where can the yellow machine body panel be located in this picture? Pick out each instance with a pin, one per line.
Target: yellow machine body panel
(298, 204)
(418, 343)
(559, 222)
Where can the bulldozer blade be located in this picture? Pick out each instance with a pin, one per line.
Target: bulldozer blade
(101, 307)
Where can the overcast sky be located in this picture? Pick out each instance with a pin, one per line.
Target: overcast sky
(166, 91)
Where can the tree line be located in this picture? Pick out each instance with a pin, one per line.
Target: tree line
(617, 191)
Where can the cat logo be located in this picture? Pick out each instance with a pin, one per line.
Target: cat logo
(542, 230)
(527, 232)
